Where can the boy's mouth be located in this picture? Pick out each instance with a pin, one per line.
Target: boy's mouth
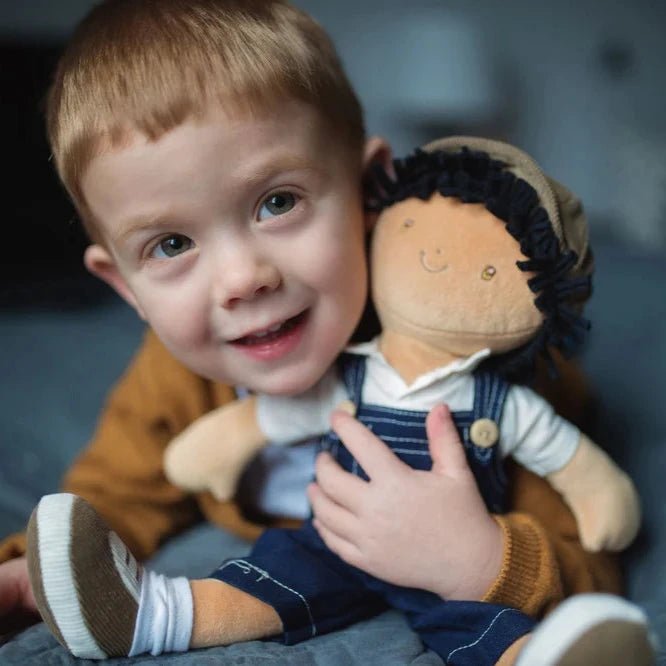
(270, 334)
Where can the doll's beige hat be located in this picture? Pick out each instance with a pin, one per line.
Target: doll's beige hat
(563, 207)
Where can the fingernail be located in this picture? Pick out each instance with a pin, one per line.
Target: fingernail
(348, 407)
(443, 411)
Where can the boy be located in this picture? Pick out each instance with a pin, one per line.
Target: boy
(194, 138)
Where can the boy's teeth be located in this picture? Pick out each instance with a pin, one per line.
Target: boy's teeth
(268, 331)
(272, 332)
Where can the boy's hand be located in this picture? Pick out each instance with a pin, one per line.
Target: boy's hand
(17, 604)
(429, 530)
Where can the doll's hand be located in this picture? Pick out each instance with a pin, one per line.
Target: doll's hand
(17, 604)
(601, 496)
(212, 452)
(429, 530)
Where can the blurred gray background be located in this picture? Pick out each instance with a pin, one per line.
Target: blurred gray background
(579, 85)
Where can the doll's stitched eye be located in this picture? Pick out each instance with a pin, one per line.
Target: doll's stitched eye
(488, 273)
(408, 222)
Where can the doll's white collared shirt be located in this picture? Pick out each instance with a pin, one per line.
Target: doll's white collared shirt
(530, 430)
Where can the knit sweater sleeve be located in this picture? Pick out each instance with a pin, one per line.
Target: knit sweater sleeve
(120, 471)
(544, 561)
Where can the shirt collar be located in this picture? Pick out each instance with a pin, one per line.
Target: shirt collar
(459, 366)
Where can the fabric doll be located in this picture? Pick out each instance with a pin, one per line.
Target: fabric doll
(479, 263)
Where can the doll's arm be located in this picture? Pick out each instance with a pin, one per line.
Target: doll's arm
(212, 453)
(601, 496)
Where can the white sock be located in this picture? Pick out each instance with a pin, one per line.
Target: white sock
(165, 617)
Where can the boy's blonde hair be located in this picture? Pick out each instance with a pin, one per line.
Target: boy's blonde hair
(149, 65)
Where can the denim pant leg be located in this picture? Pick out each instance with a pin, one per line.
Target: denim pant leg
(312, 590)
(462, 633)
(470, 633)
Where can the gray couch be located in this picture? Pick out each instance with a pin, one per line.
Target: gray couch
(57, 364)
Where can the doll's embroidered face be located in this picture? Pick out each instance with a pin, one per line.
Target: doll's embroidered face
(445, 273)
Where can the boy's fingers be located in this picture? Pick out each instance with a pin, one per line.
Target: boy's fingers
(376, 459)
(349, 552)
(341, 487)
(446, 449)
(333, 516)
(17, 603)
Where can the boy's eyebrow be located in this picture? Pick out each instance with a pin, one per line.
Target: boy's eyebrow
(139, 223)
(278, 165)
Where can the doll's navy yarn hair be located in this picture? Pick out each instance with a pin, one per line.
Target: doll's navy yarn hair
(475, 177)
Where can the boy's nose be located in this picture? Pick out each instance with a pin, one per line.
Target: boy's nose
(243, 283)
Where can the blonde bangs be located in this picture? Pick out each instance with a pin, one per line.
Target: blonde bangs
(149, 65)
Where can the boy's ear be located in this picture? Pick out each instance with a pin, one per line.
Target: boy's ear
(377, 151)
(101, 264)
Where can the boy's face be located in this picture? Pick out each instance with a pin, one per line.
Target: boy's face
(240, 241)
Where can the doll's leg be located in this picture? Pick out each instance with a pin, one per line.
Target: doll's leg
(312, 590)
(99, 602)
(465, 633)
(224, 614)
(587, 629)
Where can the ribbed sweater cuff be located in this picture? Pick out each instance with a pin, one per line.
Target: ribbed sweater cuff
(527, 576)
(13, 546)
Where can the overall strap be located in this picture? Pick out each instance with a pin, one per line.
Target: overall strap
(352, 372)
(484, 455)
(490, 392)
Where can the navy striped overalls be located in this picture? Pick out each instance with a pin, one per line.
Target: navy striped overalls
(315, 592)
(403, 431)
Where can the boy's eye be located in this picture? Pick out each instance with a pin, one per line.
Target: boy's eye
(277, 204)
(172, 246)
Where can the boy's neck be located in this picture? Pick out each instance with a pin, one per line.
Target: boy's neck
(411, 357)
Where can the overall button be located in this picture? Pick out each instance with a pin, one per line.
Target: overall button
(484, 433)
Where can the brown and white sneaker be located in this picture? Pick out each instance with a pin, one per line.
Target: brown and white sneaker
(591, 630)
(86, 583)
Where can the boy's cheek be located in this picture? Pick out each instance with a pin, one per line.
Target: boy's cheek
(181, 327)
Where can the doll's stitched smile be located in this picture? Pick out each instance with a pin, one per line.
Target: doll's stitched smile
(432, 267)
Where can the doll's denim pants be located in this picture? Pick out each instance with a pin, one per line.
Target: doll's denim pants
(315, 592)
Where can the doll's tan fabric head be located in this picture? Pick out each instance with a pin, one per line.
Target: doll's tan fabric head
(444, 278)
(564, 209)
(475, 247)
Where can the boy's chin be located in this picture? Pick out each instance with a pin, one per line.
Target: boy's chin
(276, 385)
(293, 380)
